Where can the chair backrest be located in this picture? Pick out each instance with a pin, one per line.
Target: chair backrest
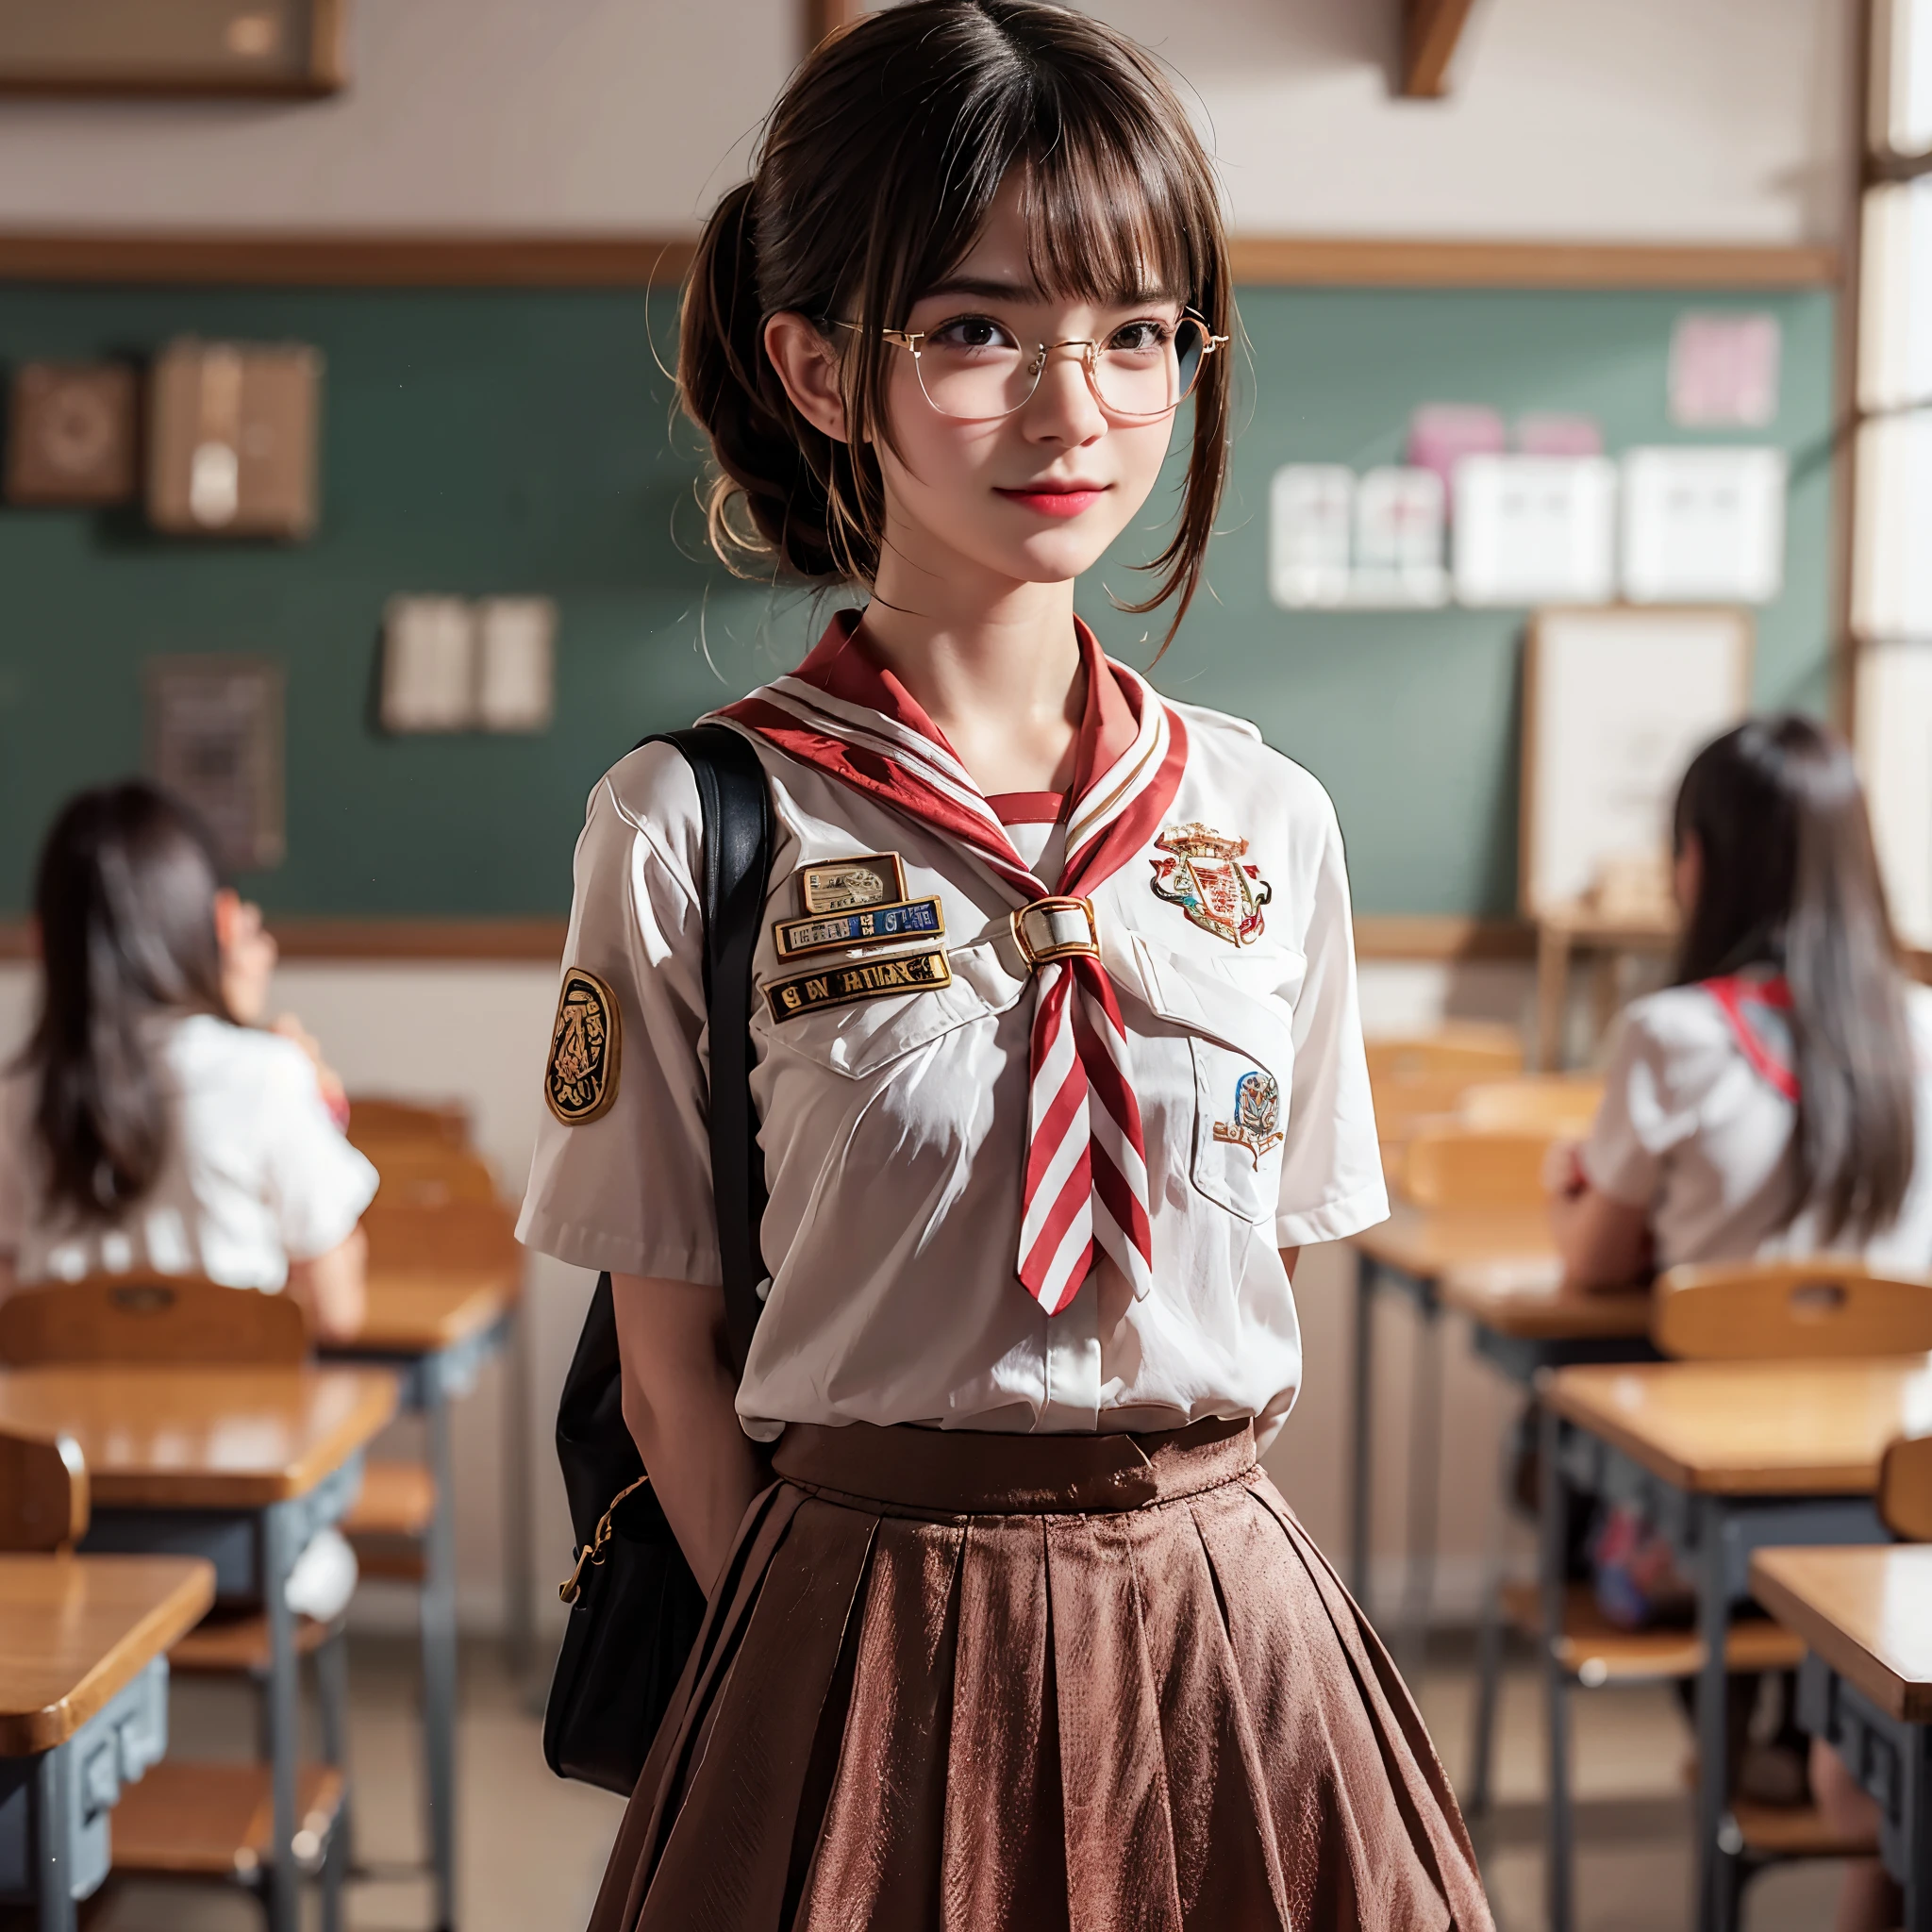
(1404, 1106)
(467, 1234)
(1476, 1050)
(424, 1177)
(1536, 1102)
(1453, 1166)
(1823, 1304)
(147, 1318)
(1905, 1488)
(43, 1493)
(374, 1120)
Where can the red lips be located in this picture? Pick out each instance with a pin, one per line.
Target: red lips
(1054, 503)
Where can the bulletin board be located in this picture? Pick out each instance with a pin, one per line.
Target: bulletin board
(481, 442)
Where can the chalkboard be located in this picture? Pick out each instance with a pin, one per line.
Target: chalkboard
(517, 441)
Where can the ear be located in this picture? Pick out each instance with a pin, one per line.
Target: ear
(809, 367)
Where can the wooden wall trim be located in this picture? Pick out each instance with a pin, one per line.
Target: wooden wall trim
(1377, 936)
(482, 259)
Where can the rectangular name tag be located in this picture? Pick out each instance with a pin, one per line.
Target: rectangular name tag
(845, 885)
(908, 920)
(867, 980)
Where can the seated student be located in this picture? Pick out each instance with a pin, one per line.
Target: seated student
(1778, 1098)
(148, 1122)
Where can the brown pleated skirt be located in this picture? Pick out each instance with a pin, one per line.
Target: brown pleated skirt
(991, 1683)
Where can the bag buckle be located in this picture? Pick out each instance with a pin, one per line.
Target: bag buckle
(1055, 928)
(592, 1551)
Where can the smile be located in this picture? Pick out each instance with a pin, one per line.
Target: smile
(1056, 502)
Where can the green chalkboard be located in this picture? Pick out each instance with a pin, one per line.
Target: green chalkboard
(516, 441)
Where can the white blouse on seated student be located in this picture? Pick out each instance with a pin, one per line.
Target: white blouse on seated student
(1745, 1113)
(144, 1126)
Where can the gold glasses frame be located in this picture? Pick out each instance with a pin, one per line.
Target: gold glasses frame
(1089, 356)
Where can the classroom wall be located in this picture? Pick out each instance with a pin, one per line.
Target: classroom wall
(1721, 119)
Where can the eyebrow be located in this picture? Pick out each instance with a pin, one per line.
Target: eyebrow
(988, 290)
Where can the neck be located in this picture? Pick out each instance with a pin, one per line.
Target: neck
(996, 666)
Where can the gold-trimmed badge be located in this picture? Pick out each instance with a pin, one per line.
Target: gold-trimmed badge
(1256, 1123)
(1209, 880)
(845, 885)
(865, 979)
(586, 1048)
(832, 932)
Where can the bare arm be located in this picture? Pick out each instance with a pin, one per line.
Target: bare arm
(1604, 1242)
(1289, 1257)
(333, 1287)
(680, 1405)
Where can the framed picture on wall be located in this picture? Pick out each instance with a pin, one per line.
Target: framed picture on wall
(1615, 704)
(173, 47)
(214, 737)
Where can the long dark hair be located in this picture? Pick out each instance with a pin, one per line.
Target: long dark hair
(877, 172)
(1788, 879)
(124, 895)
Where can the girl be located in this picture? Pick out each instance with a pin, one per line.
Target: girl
(1776, 1099)
(149, 1125)
(1057, 1065)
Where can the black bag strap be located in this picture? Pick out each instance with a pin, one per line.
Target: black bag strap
(736, 804)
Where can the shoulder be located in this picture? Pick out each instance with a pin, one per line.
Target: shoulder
(1680, 1029)
(1229, 752)
(645, 808)
(207, 1054)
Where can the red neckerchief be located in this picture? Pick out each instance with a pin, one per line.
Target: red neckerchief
(1086, 1182)
(1735, 993)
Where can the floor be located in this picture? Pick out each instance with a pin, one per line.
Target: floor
(533, 1847)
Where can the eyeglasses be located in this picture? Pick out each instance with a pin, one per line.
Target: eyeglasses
(972, 368)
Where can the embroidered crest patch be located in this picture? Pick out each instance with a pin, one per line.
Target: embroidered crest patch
(580, 1077)
(844, 885)
(1256, 1123)
(1209, 881)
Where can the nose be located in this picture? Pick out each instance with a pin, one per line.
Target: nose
(1063, 407)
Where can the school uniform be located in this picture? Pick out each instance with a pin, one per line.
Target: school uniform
(1698, 1119)
(1020, 1635)
(255, 1175)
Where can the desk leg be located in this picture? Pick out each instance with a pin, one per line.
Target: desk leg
(1713, 1711)
(1552, 1565)
(278, 1554)
(1488, 1636)
(1916, 1794)
(438, 1609)
(48, 1828)
(1359, 1428)
(1425, 1480)
(1552, 996)
(519, 1621)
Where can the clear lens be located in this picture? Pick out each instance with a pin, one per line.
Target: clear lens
(972, 372)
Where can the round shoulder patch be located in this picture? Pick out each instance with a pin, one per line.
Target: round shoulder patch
(580, 1077)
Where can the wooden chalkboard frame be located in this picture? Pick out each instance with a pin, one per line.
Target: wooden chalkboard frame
(318, 64)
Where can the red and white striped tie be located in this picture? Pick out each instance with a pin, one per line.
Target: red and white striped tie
(1085, 1181)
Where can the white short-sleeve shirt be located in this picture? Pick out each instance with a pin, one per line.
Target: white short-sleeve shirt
(256, 1175)
(1692, 1132)
(894, 1131)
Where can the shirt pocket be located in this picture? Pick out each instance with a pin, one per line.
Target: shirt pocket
(1242, 1048)
(862, 1038)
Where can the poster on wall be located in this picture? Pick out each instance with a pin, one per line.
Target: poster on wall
(1893, 733)
(1615, 704)
(214, 738)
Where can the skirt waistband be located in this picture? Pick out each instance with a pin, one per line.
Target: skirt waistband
(979, 1472)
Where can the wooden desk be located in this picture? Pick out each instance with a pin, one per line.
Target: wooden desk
(1725, 1458)
(434, 1327)
(83, 1708)
(241, 1466)
(1866, 1683)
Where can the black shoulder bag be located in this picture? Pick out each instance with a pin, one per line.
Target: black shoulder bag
(635, 1607)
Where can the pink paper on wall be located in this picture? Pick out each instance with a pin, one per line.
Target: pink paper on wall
(1441, 434)
(1549, 434)
(1723, 371)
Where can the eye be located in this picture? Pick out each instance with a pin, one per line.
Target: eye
(972, 333)
(1145, 336)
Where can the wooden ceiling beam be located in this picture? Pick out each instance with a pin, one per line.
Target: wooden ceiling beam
(1430, 30)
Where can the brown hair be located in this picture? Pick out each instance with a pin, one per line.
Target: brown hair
(124, 895)
(874, 176)
(1788, 879)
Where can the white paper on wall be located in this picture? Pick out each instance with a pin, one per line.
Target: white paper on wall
(515, 683)
(1311, 507)
(1723, 371)
(1702, 525)
(1893, 732)
(428, 664)
(1399, 514)
(1534, 529)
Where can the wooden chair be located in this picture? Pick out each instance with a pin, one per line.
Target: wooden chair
(1905, 1488)
(1559, 1103)
(1826, 1305)
(184, 1819)
(44, 1493)
(416, 1175)
(1468, 1048)
(472, 1235)
(1404, 1106)
(1449, 1165)
(377, 1121)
